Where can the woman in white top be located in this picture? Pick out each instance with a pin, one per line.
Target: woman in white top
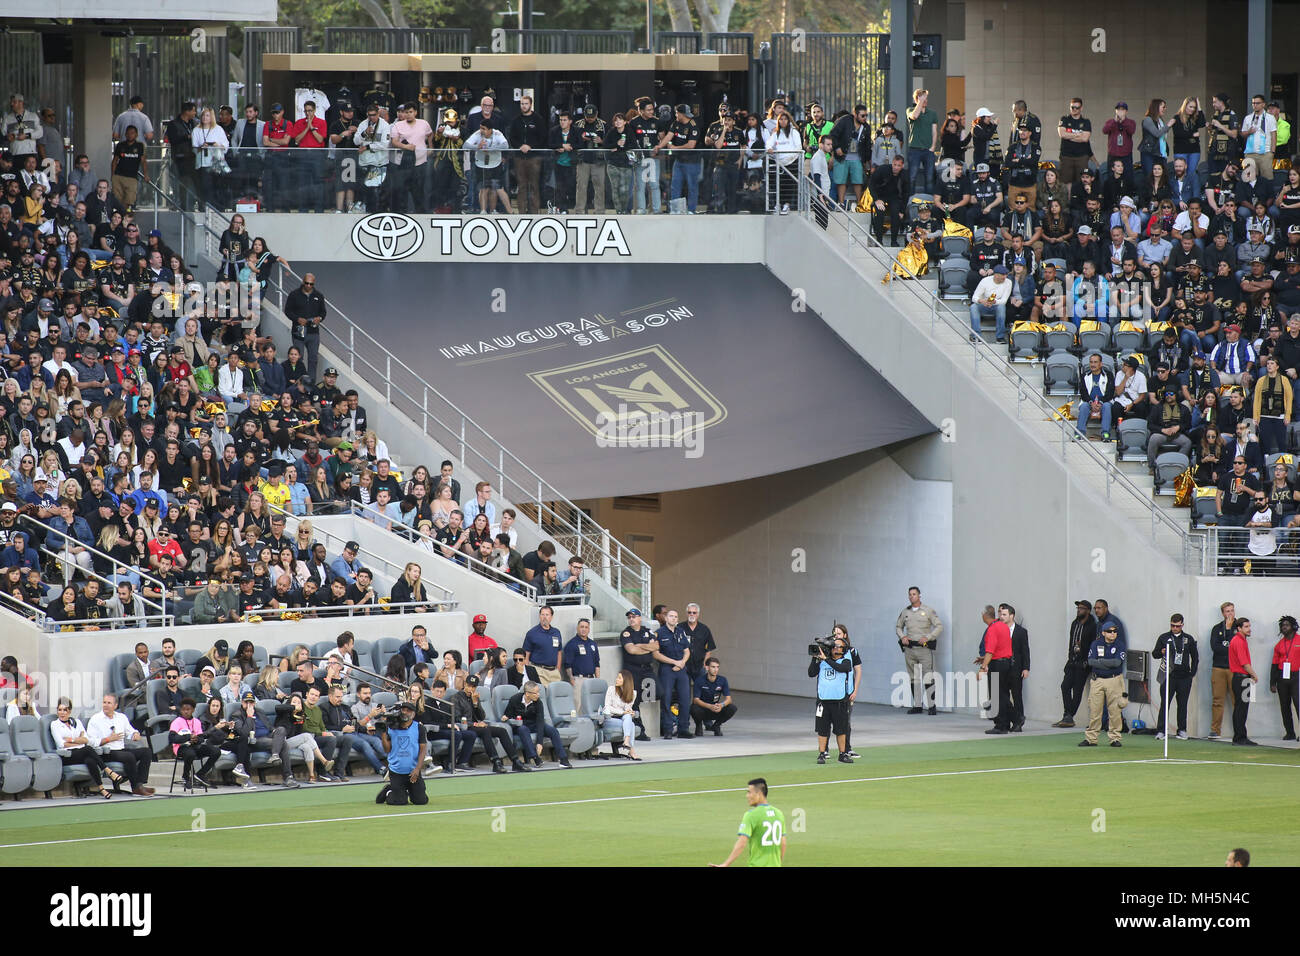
(785, 146)
(1262, 540)
(210, 145)
(70, 735)
(618, 705)
(443, 504)
(21, 706)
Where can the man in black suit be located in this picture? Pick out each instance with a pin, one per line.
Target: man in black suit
(1015, 677)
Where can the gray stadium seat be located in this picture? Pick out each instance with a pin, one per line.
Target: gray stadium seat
(189, 657)
(953, 272)
(955, 245)
(190, 686)
(1203, 512)
(477, 665)
(383, 649)
(1095, 340)
(117, 681)
(47, 769)
(261, 657)
(156, 724)
(1169, 465)
(1060, 264)
(1272, 459)
(384, 698)
(577, 733)
(322, 648)
(15, 768)
(1061, 374)
(1025, 345)
(285, 680)
(593, 700)
(1131, 443)
(1058, 340)
(1129, 341)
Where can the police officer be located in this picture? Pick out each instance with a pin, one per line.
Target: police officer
(834, 681)
(406, 746)
(674, 683)
(711, 704)
(1183, 662)
(581, 657)
(1083, 631)
(918, 629)
(1106, 657)
(639, 646)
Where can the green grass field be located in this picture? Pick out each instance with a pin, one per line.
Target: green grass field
(1011, 801)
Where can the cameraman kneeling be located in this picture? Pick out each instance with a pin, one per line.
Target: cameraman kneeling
(834, 677)
(405, 743)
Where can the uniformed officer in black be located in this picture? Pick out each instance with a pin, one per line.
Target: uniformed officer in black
(674, 682)
(638, 646)
(1183, 663)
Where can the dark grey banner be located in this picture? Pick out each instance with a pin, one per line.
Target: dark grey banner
(616, 379)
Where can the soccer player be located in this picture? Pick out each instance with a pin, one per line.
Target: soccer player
(762, 829)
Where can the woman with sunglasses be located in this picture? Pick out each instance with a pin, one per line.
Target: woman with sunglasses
(70, 734)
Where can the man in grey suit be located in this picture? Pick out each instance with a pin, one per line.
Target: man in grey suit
(138, 674)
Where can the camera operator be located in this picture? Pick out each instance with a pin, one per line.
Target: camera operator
(406, 746)
(834, 680)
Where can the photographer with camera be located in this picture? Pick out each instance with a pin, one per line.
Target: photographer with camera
(833, 669)
(405, 744)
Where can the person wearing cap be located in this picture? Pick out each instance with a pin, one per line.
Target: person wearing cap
(1168, 423)
(1083, 632)
(347, 564)
(1234, 358)
(1130, 392)
(479, 643)
(1127, 219)
(1022, 167)
(638, 644)
(1108, 694)
(305, 309)
(405, 746)
(591, 134)
(1183, 663)
(682, 136)
(1075, 132)
(990, 299)
(986, 197)
(1119, 132)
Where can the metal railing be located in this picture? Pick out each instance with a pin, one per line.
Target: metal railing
(856, 234)
(415, 40)
(71, 568)
(119, 567)
(381, 606)
(1267, 552)
(667, 41)
(42, 618)
(412, 536)
(571, 41)
(372, 560)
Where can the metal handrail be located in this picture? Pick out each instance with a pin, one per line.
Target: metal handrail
(36, 612)
(496, 575)
(982, 351)
(554, 514)
(143, 575)
(374, 559)
(50, 625)
(347, 610)
(70, 568)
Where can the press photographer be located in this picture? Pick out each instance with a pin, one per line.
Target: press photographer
(406, 746)
(833, 669)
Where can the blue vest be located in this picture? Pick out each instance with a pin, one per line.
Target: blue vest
(831, 684)
(406, 748)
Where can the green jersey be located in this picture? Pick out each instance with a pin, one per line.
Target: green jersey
(764, 825)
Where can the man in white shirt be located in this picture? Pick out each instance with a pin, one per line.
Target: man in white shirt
(990, 298)
(1130, 391)
(22, 128)
(485, 145)
(507, 527)
(1235, 360)
(1192, 222)
(112, 730)
(1259, 137)
(230, 383)
(59, 363)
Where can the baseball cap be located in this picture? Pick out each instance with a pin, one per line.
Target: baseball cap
(45, 305)
(1085, 230)
(277, 108)
(982, 112)
(8, 506)
(1087, 171)
(406, 705)
(1128, 201)
(1110, 627)
(471, 680)
(41, 475)
(589, 110)
(209, 667)
(1083, 602)
(981, 167)
(480, 618)
(1233, 328)
(1121, 105)
(1000, 270)
(684, 109)
(351, 546)
(331, 371)
(221, 646)
(248, 695)
(634, 612)
(1131, 362)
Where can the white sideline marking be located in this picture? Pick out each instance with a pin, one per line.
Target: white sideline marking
(657, 791)
(646, 795)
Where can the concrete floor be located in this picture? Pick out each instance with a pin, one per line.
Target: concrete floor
(764, 724)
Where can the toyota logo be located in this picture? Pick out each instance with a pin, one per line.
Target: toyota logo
(387, 236)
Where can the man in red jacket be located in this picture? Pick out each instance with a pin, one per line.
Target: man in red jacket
(997, 659)
(479, 640)
(309, 133)
(1285, 677)
(1239, 665)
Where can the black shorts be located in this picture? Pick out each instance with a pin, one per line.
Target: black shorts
(832, 717)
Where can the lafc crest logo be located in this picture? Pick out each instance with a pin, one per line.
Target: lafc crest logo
(627, 393)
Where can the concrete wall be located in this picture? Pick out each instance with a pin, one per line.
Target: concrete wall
(868, 530)
(1042, 53)
(1023, 530)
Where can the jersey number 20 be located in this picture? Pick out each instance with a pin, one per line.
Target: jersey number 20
(771, 833)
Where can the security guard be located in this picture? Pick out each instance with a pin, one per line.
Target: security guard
(711, 690)
(918, 629)
(581, 657)
(674, 682)
(638, 645)
(1183, 663)
(1107, 661)
(1284, 675)
(542, 647)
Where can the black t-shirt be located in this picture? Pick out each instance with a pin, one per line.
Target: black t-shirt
(534, 562)
(1185, 138)
(681, 134)
(984, 190)
(128, 158)
(645, 132)
(1068, 146)
(337, 127)
(1237, 492)
(1223, 146)
(1282, 497)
